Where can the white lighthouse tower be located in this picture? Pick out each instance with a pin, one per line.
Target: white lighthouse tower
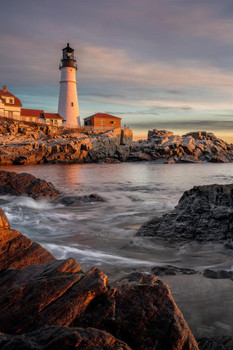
(68, 107)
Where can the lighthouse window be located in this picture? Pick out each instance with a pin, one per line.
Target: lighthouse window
(72, 104)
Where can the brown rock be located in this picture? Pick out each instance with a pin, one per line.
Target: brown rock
(26, 184)
(53, 293)
(62, 338)
(16, 250)
(140, 310)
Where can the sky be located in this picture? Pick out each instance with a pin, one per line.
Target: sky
(165, 64)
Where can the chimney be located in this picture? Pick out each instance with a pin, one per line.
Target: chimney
(4, 88)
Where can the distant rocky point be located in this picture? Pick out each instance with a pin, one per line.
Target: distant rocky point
(22, 144)
(194, 147)
(204, 213)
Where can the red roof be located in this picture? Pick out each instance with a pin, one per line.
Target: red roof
(102, 115)
(8, 94)
(52, 116)
(37, 113)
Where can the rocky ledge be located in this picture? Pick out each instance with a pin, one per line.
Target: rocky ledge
(53, 304)
(22, 143)
(194, 147)
(204, 213)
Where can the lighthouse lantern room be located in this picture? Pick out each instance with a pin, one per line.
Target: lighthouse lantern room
(68, 107)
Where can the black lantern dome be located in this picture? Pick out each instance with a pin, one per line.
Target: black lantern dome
(68, 59)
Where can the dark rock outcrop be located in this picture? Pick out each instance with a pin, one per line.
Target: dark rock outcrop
(216, 343)
(169, 270)
(62, 338)
(26, 184)
(16, 250)
(204, 213)
(222, 274)
(78, 200)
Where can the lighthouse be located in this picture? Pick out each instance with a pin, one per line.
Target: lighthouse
(68, 107)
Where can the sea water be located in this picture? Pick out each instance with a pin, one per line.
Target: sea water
(103, 233)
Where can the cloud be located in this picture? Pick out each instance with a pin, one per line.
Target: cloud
(203, 124)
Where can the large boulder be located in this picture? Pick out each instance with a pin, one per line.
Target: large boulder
(62, 338)
(26, 184)
(204, 213)
(18, 251)
(140, 310)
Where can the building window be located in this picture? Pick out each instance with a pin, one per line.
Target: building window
(112, 122)
(11, 100)
(102, 122)
(72, 105)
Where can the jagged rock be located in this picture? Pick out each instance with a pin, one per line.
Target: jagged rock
(62, 338)
(216, 343)
(16, 250)
(204, 213)
(155, 133)
(26, 184)
(171, 270)
(222, 274)
(77, 200)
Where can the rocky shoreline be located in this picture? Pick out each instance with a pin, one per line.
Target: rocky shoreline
(23, 144)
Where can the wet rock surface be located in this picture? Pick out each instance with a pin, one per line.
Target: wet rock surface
(27, 185)
(204, 213)
(222, 274)
(62, 338)
(217, 343)
(78, 200)
(171, 271)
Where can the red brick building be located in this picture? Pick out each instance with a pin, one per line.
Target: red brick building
(102, 121)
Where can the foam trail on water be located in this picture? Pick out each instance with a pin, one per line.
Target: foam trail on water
(94, 257)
